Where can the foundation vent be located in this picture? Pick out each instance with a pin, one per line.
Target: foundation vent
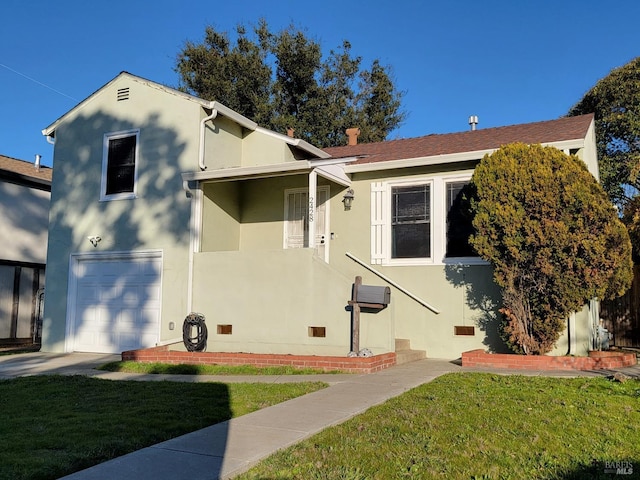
(318, 332)
(224, 329)
(460, 330)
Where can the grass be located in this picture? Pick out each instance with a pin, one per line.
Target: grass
(51, 426)
(185, 369)
(477, 426)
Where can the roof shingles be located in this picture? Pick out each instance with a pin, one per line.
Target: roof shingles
(25, 169)
(568, 128)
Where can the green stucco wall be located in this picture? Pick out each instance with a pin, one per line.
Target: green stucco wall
(158, 219)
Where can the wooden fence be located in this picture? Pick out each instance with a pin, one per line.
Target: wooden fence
(621, 316)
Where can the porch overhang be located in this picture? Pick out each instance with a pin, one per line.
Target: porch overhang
(331, 169)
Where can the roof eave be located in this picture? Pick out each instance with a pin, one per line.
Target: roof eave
(222, 109)
(232, 115)
(447, 158)
(26, 180)
(296, 142)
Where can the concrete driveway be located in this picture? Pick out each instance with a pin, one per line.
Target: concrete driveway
(37, 363)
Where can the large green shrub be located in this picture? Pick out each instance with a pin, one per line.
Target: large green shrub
(552, 236)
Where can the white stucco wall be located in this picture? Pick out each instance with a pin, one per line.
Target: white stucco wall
(24, 215)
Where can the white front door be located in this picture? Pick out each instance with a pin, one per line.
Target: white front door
(296, 225)
(115, 304)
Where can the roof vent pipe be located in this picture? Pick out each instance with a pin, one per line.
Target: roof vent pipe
(473, 121)
(37, 162)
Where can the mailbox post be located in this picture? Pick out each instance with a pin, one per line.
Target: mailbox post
(365, 296)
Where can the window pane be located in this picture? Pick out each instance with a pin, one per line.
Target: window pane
(121, 165)
(119, 180)
(410, 204)
(411, 240)
(411, 222)
(459, 226)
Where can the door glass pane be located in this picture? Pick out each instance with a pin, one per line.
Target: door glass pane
(297, 220)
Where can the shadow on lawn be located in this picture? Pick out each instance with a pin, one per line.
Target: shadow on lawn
(182, 369)
(603, 469)
(58, 425)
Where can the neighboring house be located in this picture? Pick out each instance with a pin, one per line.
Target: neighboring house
(25, 190)
(165, 204)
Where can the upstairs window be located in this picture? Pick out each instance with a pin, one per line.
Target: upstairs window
(119, 165)
(411, 221)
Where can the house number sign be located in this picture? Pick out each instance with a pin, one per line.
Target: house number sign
(311, 209)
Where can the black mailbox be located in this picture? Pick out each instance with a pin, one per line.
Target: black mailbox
(373, 294)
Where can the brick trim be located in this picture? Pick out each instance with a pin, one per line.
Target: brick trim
(595, 361)
(326, 363)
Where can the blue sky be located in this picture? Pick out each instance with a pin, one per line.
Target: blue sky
(506, 61)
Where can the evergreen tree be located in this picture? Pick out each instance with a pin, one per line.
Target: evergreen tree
(552, 236)
(281, 80)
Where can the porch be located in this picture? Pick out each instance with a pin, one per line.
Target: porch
(281, 302)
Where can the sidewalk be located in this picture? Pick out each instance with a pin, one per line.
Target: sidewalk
(229, 448)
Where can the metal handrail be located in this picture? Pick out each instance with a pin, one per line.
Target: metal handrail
(388, 280)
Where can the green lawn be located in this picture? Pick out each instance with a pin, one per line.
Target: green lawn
(187, 369)
(478, 426)
(51, 426)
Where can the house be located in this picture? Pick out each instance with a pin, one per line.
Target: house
(165, 204)
(24, 212)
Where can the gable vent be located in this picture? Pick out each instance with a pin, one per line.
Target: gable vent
(123, 94)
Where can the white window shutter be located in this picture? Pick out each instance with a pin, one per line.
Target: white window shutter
(378, 190)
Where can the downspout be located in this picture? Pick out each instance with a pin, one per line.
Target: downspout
(213, 115)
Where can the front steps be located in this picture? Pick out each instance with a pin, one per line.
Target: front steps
(404, 354)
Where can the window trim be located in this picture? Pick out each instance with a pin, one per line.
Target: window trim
(389, 186)
(381, 198)
(105, 163)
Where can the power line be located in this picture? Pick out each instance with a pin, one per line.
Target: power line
(39, 83)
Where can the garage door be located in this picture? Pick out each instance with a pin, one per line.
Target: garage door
(117, 302)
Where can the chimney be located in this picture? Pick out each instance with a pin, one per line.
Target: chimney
(37, 162)
(353, 134)
(473, 121)
(290, 132)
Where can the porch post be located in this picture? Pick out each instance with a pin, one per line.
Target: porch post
(313, 182)
(194, 193)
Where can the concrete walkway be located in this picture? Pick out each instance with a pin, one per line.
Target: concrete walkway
(229, 448)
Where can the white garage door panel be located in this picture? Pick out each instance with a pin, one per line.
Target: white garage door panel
(117, 305)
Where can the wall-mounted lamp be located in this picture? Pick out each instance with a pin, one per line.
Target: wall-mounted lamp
(95, 240)
(347, 199)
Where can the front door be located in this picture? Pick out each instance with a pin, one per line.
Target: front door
(296, 234)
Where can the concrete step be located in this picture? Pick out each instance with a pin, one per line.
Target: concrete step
(406, 356)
